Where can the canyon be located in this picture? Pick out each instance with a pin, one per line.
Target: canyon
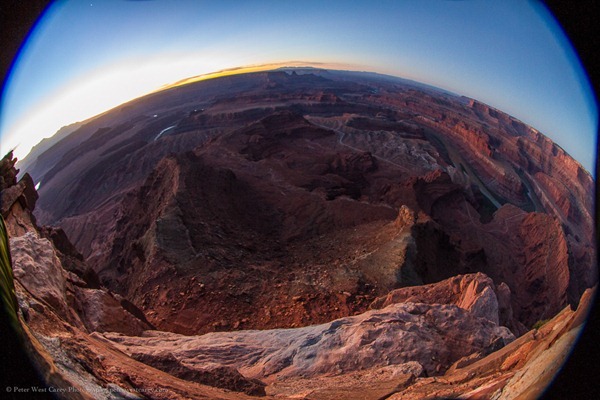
(301, 233)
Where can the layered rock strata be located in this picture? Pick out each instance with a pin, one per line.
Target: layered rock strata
(276, 234)
(244, 179)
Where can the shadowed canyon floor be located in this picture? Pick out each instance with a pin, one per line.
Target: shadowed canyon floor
(301, 234)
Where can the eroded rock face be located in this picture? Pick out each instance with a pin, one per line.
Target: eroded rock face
(38, 268)
(102, 312)
(51, 271)
(252, 179)
(474, 292)
(393, 231)
(397, 334)
(522, 369)
(48, 285)
(17, 198)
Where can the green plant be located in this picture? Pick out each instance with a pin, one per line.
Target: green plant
(539, 323)
(7, 284)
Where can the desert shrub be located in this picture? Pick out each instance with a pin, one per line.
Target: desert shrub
(540, 323)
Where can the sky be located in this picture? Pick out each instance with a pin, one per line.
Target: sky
(85, 57)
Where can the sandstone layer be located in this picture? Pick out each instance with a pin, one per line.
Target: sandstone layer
(295, 177)
(301, 234)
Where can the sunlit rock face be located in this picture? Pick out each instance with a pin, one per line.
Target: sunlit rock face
(302, 233)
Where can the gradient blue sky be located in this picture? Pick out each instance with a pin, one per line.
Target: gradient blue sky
(85, 57)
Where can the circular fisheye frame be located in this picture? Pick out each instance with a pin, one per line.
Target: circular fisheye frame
(346, 200)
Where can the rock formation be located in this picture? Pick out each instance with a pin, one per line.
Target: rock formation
(424, 334)
(52, 279)
(309, 234)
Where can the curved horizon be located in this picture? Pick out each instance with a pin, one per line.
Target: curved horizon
(82, 59)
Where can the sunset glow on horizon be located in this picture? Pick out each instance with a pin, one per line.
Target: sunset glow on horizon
(74, 104)
(259, 68)
(81, 61)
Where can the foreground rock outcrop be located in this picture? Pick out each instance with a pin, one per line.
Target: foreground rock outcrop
(426, 334)
(48, 284)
